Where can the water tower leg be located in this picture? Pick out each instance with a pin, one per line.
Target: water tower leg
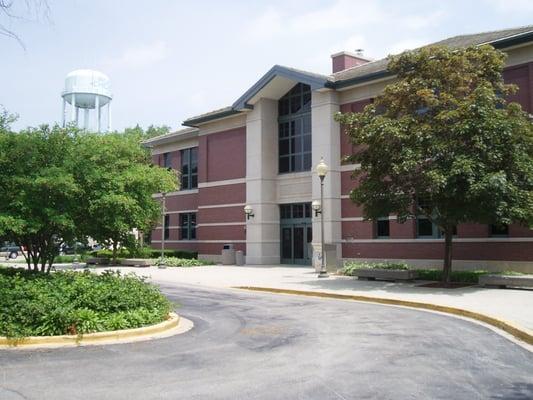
(86, 119)
(73, 109)
(109, 116)
(63, 113)
(97, 107)
(77, 115)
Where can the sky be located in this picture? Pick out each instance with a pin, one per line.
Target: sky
(170, 60)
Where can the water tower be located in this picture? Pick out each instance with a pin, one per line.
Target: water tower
(87, 89)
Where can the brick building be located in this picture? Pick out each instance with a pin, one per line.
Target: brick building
(261, 150)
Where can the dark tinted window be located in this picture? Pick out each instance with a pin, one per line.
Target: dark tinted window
(295, 130)
(383, 228)
(189, 168)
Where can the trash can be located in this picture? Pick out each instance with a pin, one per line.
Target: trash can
(228, 254)
(239, 257)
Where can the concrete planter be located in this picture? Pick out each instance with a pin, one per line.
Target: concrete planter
(385, 274)
(502, 281)
(137, 262)
(98, 260)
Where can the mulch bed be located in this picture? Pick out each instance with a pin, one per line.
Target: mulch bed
(452, 285)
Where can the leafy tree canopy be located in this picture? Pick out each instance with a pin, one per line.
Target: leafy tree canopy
(443, 142)
(58, 184)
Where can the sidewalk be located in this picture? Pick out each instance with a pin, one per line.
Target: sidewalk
(510, 305)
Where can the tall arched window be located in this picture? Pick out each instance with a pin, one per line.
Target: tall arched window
(294, 118)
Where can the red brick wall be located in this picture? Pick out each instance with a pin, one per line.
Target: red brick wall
(504, 251)
(222, 155)
(225, 194)
(522, 76)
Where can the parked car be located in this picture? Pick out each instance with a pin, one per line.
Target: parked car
(9, 252)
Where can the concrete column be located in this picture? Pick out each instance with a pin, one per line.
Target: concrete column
(97, 108)
(326, 144)
(263, 230)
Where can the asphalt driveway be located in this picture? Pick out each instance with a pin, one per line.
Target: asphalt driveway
(262, 346)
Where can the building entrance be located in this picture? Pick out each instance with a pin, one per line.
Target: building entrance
(296, 233)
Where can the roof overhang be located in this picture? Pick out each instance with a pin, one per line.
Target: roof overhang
(274, 85)
(170, 137)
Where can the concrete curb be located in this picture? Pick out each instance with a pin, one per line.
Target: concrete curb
(109, 337)
(505, 326)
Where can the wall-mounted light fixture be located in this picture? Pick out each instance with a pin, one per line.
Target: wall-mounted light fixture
(317, 207)
(249, 211)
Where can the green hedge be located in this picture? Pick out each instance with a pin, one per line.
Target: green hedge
(37, 304)
(456, 276)
(351, 266)
(181, 262)
(146, 252)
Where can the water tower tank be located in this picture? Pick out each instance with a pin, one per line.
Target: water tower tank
(87, 90)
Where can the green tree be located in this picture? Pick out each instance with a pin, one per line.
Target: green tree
(442, 142)
(118, 181)
(38, 192)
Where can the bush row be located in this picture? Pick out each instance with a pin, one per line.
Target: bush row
(423, 274)
(181, 262)
(146, 252)
(38, 304)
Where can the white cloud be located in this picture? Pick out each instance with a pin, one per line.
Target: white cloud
(351, 44)
(339, 15)
(403, 45)
(512, 6)
(138, 57)
(422, 21)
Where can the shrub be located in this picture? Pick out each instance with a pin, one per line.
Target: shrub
(351, 266)
(146, 252)
(456, 276)
(70, 302)
(69, 258)
(181, 262)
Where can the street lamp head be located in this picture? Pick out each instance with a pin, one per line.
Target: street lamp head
(317, 207)
(322, 168)
(249, 211)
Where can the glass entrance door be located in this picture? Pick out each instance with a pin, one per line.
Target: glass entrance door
(296, 233)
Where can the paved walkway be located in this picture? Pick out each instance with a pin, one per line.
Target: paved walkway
(511, 305)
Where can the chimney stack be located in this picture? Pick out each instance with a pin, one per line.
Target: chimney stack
(346, 59)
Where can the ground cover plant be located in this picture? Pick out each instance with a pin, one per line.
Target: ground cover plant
(181, 262)
(423, 274)
(39, 304)
(350, 267)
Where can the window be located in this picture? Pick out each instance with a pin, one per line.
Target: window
(189, 168)
(167, 160)
(167, 227)
(294, 129)
(499, 230)
(188, 226)
(425, 228)
(383, 227)
(295, 211)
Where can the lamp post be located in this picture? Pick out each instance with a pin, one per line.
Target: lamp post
(321, 170)
(163, 209)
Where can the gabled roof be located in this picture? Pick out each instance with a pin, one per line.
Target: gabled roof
(362, 73)
(378, 69)
(316, 81)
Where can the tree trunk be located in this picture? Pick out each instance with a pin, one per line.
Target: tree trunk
(447, 269)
